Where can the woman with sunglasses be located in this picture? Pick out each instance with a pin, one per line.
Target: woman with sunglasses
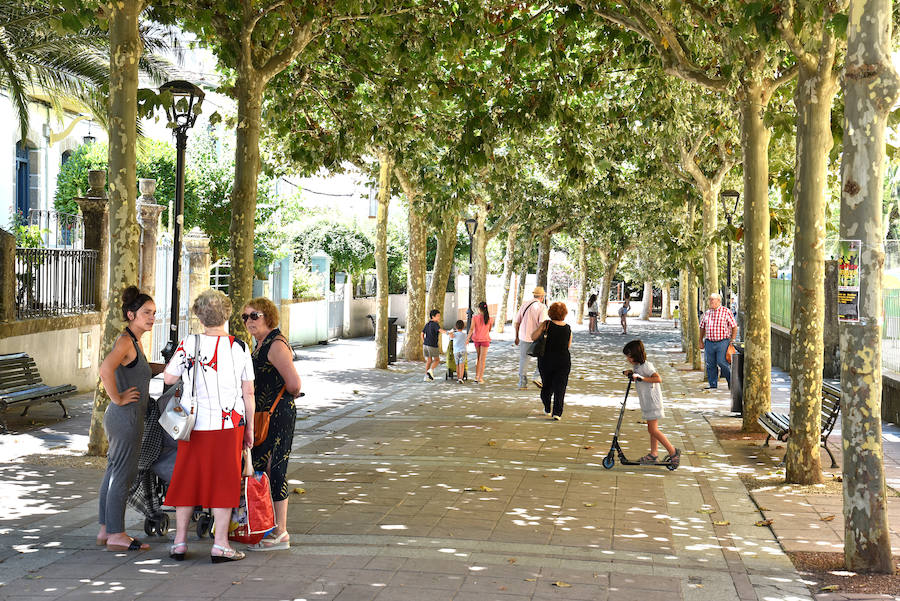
(277, 383)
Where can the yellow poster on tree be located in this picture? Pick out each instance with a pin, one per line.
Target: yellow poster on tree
(848, 280)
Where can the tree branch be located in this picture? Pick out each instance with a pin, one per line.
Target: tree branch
(528, 22)
(786, 29)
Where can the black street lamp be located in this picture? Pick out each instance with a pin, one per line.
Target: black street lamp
(729, 215)
(471, 226)
(182, 113)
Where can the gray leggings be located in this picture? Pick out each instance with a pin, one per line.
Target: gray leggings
(124, 429)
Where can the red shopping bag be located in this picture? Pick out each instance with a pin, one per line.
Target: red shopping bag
(255, 515)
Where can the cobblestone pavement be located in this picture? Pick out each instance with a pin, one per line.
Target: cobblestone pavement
(433, 490)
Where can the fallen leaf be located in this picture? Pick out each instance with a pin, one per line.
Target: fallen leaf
(588, 504)
(355, 392)
(502, 588)
(562, 584)
(827, 518)
(838, 478)
(764, 522)
(588, 446)
(299, 491)
(531, 580)
(706, 511)
(485, 489)
(829, 589)
(492, 443)
(511, 560)
(721, 523)
(764, 509)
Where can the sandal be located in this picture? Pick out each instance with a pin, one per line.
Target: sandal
(279, 543)
(649, 459)
(227, 555)
(134, 545)
(177, 555)
(675, 458)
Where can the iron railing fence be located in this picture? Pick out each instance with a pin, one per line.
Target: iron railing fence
(53, 281)
(58, 230)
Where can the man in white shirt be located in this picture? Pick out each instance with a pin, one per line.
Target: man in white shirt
(530, 316)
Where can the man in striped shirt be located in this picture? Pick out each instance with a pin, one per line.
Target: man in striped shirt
(717, 330)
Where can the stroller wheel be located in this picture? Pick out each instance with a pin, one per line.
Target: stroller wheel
(162, 524)
(204, 525)
(609, 461)
(149, 526)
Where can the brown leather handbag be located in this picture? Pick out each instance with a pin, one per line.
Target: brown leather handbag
(261, 421)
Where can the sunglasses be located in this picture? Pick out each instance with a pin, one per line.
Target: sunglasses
(254, 316)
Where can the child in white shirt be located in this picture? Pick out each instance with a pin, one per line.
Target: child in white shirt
(459, 348)
(647, 385)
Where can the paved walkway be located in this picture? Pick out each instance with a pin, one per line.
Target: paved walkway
(434, 490)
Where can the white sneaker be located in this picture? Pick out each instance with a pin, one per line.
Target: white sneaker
(459, 381)
(427, 377)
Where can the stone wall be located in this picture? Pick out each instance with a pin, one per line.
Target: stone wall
(890, 380)
(66, 349)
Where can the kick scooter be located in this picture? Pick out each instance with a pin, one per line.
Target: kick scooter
(610, 460)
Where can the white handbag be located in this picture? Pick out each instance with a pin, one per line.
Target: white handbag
(177, 422)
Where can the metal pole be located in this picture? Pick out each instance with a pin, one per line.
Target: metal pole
(177, 221)
(728, 276)
(469, 311)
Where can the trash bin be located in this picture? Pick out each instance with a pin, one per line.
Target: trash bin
(737, 379)
(392, 340)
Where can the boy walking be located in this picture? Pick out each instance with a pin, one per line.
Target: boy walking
(431, 343)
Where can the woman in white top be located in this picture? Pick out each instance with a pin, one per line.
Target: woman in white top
(208, 466)
(593, 312)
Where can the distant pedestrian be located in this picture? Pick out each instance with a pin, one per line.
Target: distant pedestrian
(623, 314)
(480, 334)
(647, 384)
(125, 374)
(431, 343)
(460, 349)
(675, 315)
(530, 315)
(717, 330)
(593, 312)
(556, 362)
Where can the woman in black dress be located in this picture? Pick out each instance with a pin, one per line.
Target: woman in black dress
(556, 363)
(277, 381)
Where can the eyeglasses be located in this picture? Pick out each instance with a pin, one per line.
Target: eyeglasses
(254, 316)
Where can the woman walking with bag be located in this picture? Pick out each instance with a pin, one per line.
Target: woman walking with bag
(277, 384)
(556, 363)
(480, 334)
(208, 466)
(125, 375)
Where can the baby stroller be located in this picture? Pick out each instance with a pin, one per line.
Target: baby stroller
(452, 367)
(155, 466)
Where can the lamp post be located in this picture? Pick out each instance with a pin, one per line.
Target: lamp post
(471, 226)
(729, 215)
(182, 113)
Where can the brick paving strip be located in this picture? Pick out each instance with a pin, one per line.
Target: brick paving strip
(430, 491)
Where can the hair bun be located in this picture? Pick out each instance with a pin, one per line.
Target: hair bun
(130, 294)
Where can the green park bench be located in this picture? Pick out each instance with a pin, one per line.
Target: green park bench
(778, 425)
(21, 385)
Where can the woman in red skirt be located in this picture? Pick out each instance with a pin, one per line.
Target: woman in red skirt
(208, 466)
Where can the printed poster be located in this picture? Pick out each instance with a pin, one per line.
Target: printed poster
(848, 280)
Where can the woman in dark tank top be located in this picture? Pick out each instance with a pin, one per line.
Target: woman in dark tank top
(556, 363)
(125, 374)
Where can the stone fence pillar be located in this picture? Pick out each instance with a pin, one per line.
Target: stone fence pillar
(196, 248)
(95, 210)
(148, 218)
(7, 276)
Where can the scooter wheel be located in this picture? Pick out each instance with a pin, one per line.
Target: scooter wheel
(671, 467)
(609, 461)
(149, 526)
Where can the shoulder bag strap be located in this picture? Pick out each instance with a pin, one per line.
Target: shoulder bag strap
(194, 379)
(278, 398)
